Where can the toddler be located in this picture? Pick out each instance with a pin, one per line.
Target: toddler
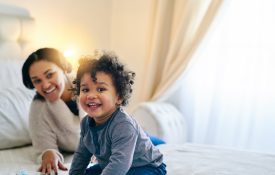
(119, 144)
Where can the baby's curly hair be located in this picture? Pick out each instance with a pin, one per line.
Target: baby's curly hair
(108, 63)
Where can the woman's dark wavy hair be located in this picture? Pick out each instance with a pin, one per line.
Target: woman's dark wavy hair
(45, 54)
(108, 63)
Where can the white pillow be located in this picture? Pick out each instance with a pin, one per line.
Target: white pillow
(163, 120)
(10, 73)
(14, 112)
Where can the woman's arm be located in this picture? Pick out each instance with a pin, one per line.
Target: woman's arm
(44, 139)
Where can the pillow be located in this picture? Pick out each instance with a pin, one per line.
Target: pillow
(10, 73)
(14, 112)
(162, 120)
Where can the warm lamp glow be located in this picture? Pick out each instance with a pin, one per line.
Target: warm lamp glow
(70, 55)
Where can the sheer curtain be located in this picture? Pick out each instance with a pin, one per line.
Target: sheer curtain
(178, 27)
(227, 94)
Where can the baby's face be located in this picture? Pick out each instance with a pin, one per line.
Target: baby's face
(99, 99)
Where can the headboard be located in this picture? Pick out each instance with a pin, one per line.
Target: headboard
(16, 32)
(16, 42)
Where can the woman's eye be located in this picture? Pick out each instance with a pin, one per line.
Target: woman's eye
(49, 75)
(36, 81)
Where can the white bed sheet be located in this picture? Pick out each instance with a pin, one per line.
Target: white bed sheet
(18, 159)
(183, 159)
(192, 159)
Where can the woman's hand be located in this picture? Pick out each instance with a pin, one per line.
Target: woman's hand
(51, 161)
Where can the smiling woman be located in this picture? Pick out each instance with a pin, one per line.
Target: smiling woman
(54, 116)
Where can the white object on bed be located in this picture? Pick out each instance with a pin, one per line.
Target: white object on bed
(163, 120)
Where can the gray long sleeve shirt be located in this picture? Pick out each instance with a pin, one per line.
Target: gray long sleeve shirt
(118, 145)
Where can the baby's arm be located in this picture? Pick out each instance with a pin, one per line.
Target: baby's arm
(82, 155)
(123, 148)
(80, 161)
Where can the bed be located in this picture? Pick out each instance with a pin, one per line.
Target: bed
(159, 118)
(183, 158)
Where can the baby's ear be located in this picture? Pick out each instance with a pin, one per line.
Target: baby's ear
(119, 101)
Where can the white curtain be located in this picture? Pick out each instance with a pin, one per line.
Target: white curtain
(227, 93)
(178, 27)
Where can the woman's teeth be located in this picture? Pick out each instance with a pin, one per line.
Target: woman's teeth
(50, 90)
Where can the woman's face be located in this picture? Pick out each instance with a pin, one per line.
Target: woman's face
(48, 79)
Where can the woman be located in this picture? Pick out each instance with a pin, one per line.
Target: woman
(54, 115)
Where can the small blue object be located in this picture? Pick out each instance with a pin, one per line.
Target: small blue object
(22, 172)
(155, 140)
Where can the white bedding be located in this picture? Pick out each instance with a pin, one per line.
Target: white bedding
(191, 159)
(181, 159)
(19, 159)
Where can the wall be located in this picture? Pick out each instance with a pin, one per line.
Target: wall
(69, 24)
(130, 38)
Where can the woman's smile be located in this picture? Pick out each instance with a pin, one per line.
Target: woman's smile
(49, 90)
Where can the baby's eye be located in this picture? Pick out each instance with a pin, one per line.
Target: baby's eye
(100, 89)
(84, 90)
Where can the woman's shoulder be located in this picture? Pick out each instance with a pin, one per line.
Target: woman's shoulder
(37, 109)
(37, 103)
